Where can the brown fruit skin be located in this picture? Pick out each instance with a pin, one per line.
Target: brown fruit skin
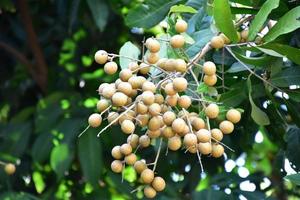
(133, 66)
(204, 148)
(149, 192)
(111, 67)
(198, 123)
(130, 159)
(172, 100)
(102, 104)
(181, 26)
(112, 116)
(212, 111)
(101, 87)
(169, 89)
(9, 168)
(203, 135)
(217, 42)
(143, 120)
(126, 149)
(152, 45)
(169, 117)
(153, 134)
(125, 88)
(190, 139)
(210, 80)
(152, 58)
(116, 166)
(226, 127)
(127, 126)
(180, 66)
(148, 97)
(95, 120)
(177, 41)
(174, 143)
(168, 132)
(180, 84)
(217, 150)
(225, 38)
(133, 140)
(158, 184)
(244, 35)
(119, 99)
(125, 74)
(147, 176)
(101, 57)
(216, 134)
(209, 68)
(233, 115)
(154, 109)
(144, 141)
(149, 86)
(116, 152)
(170, 65)
(159, 98)
(184, 101)
(140, 166)
(141, 108)
(193, 149)
(144, 68)
(178, 125)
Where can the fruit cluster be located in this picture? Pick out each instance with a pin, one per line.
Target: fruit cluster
(162, 106)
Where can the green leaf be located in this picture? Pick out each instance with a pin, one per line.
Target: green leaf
(261, 17)
(292, 148)
(259, 116)
(222, 16)
(287, 77)
(39, 183)
(60, 159)
(288, 23)
(182, 9)
(42, 147)
(100, 12)
(243, 10)
(255, 61)
(294, 178)
(128, 50)
(237, 67)
(202, 88)
(90, 156)
(233, 97)
(148, 14)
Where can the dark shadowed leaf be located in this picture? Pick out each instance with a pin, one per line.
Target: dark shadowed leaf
(294, 178)
(100, 12)
(292, 148)
(287, 77)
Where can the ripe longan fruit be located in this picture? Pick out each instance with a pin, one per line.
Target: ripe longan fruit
(210, 80)
(212, 111)
(148, 97)
(226, 127)
(204, 148)
(112, 116)
(225, 38)
(164, 108)
(180, 65)
(203, 135)
(178, 125)
(217, 42)
(152, 58)
(135, 82)
(140, 166)
(125, 88)
(149, 192)
(170, 65)
(154, 134)
(158, 184)
(133, 66)
(152, 45)
(161, 120)
(101, 86)
(149, 86)
(142, 120)
(127, 116)
(147, 176)
(185, 131)
(125, 74)
(101, 57)
(130, 159)
(244, 35)
(169, 89)
(193, 149)
(172, 100)
(169, 117)
(110, 67)
(95, 120)
(116, 166)
(216, 134)
(144, 68)
(181, 26)
(154, 123)
(184, 101)
(168, 132)
(108, 91)
(102, 104)
(233, 115)
(161, 63)
(198, 123)
(133, 140)
(127, 126)
(158, 98)
(209, 68)
(119, 99)
(190, 139)
(144, 141)
(154, 109)
(180, 84)
(141, 108)
(126, 149)
(174, 143)
(217, 150)
(9, 168)
(177, 41)
(116, 152)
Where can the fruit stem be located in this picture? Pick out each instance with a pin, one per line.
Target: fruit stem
(157, 155)
(200, 162)
(105, 110)
(84, 131)
(222, 144)
(2, 163)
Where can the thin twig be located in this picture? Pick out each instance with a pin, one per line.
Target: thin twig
(84, 131)
(200, 162)
(157, 155)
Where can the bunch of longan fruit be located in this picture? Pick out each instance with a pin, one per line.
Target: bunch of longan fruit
(162, 107)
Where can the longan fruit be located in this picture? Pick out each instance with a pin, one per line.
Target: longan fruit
(193, 149)
(179, 84)
(169, 89)
(148, 97)
(111, 67)
(119, 99)
(180, 65)
(161, 120)
(178, 125)
(116, 166)
(172, 100)
(154, 123)
(143, 120)
(125, 88)
(226, 127)
(149, 192)
(204, 148)
(9, 168)
(101, 57)
(169, 117)
(209, 68)
(164, 108)
(217, 42)
(158, 98)
(140, 166)
(147, 176)
(127, 126)
(101, 86)
(244, 35)
(233, 115)
(108, 91)
(154, 134)
(168, 132)
(161, 63)
(158, 184)
(181, 26)
(126, 149)
(116, 152)
(170, 65)
(144, 141)
(217, 150)
(225, 38)
(149, 86)
(152, 45)
(152, 58)
(177, 41)
(141, 108)
(154, 109)
(95, 120)
(185, 131)
(102, 104)
(133, 140)
(133, 66)
(135, 82)
(125, 74)
(144, 68)
(198, 123)
(174, 143)
(216, 134)
(130, 159)
(210, 80)
(112, 116)
(133, 93)
(203, 135)
(184, 101)
(125, 117)
(212, 111)
(190, 139)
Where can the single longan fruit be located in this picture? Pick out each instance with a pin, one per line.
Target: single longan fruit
(212, 111)
(226, 127)
(116, 152)
(152, 58)
(154, 123)
(209, 68)
(101, 87)
(180, 65)
(108, 91)
(190, 139)
(198, 123)
(112, 116)
(144, 68)
(9, 168)
(126, 149)
(172, 100)
(152, 45)
(161, 120)
(217, 42)
(102, 104)
(101, 57)
(203, 135)
(147, 176)
(133, 140)
(180, 84)
(178, 125)
(244, 35)
(154, 134)
(184, 101)
(177, 41)
(161, 63)
(140, 166)
(143, 120)
(125, 74)
(134, 81)
(125, 88)
(144, 141)
(168, 132)
(95, 120)
(130, 159)
(174, 143)
(149, 192)
(111, 67)
(154, 109)
(233, 115)
(193, 149)
(204, 148)
(170, 65)
(149, 86)
(185, 131)
(216, 134)
(181, 26)
(133, 66)
(148, 97)
(119, 99)
(116, 166)
(169, 117)
(170, 90)
(159, 98)
(225, 38)
(158, 184)
(217, 150)
(127, 126)
(141, 108)
(164, 108)
(210, 80)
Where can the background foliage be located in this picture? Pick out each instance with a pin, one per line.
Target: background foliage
(49, 78)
